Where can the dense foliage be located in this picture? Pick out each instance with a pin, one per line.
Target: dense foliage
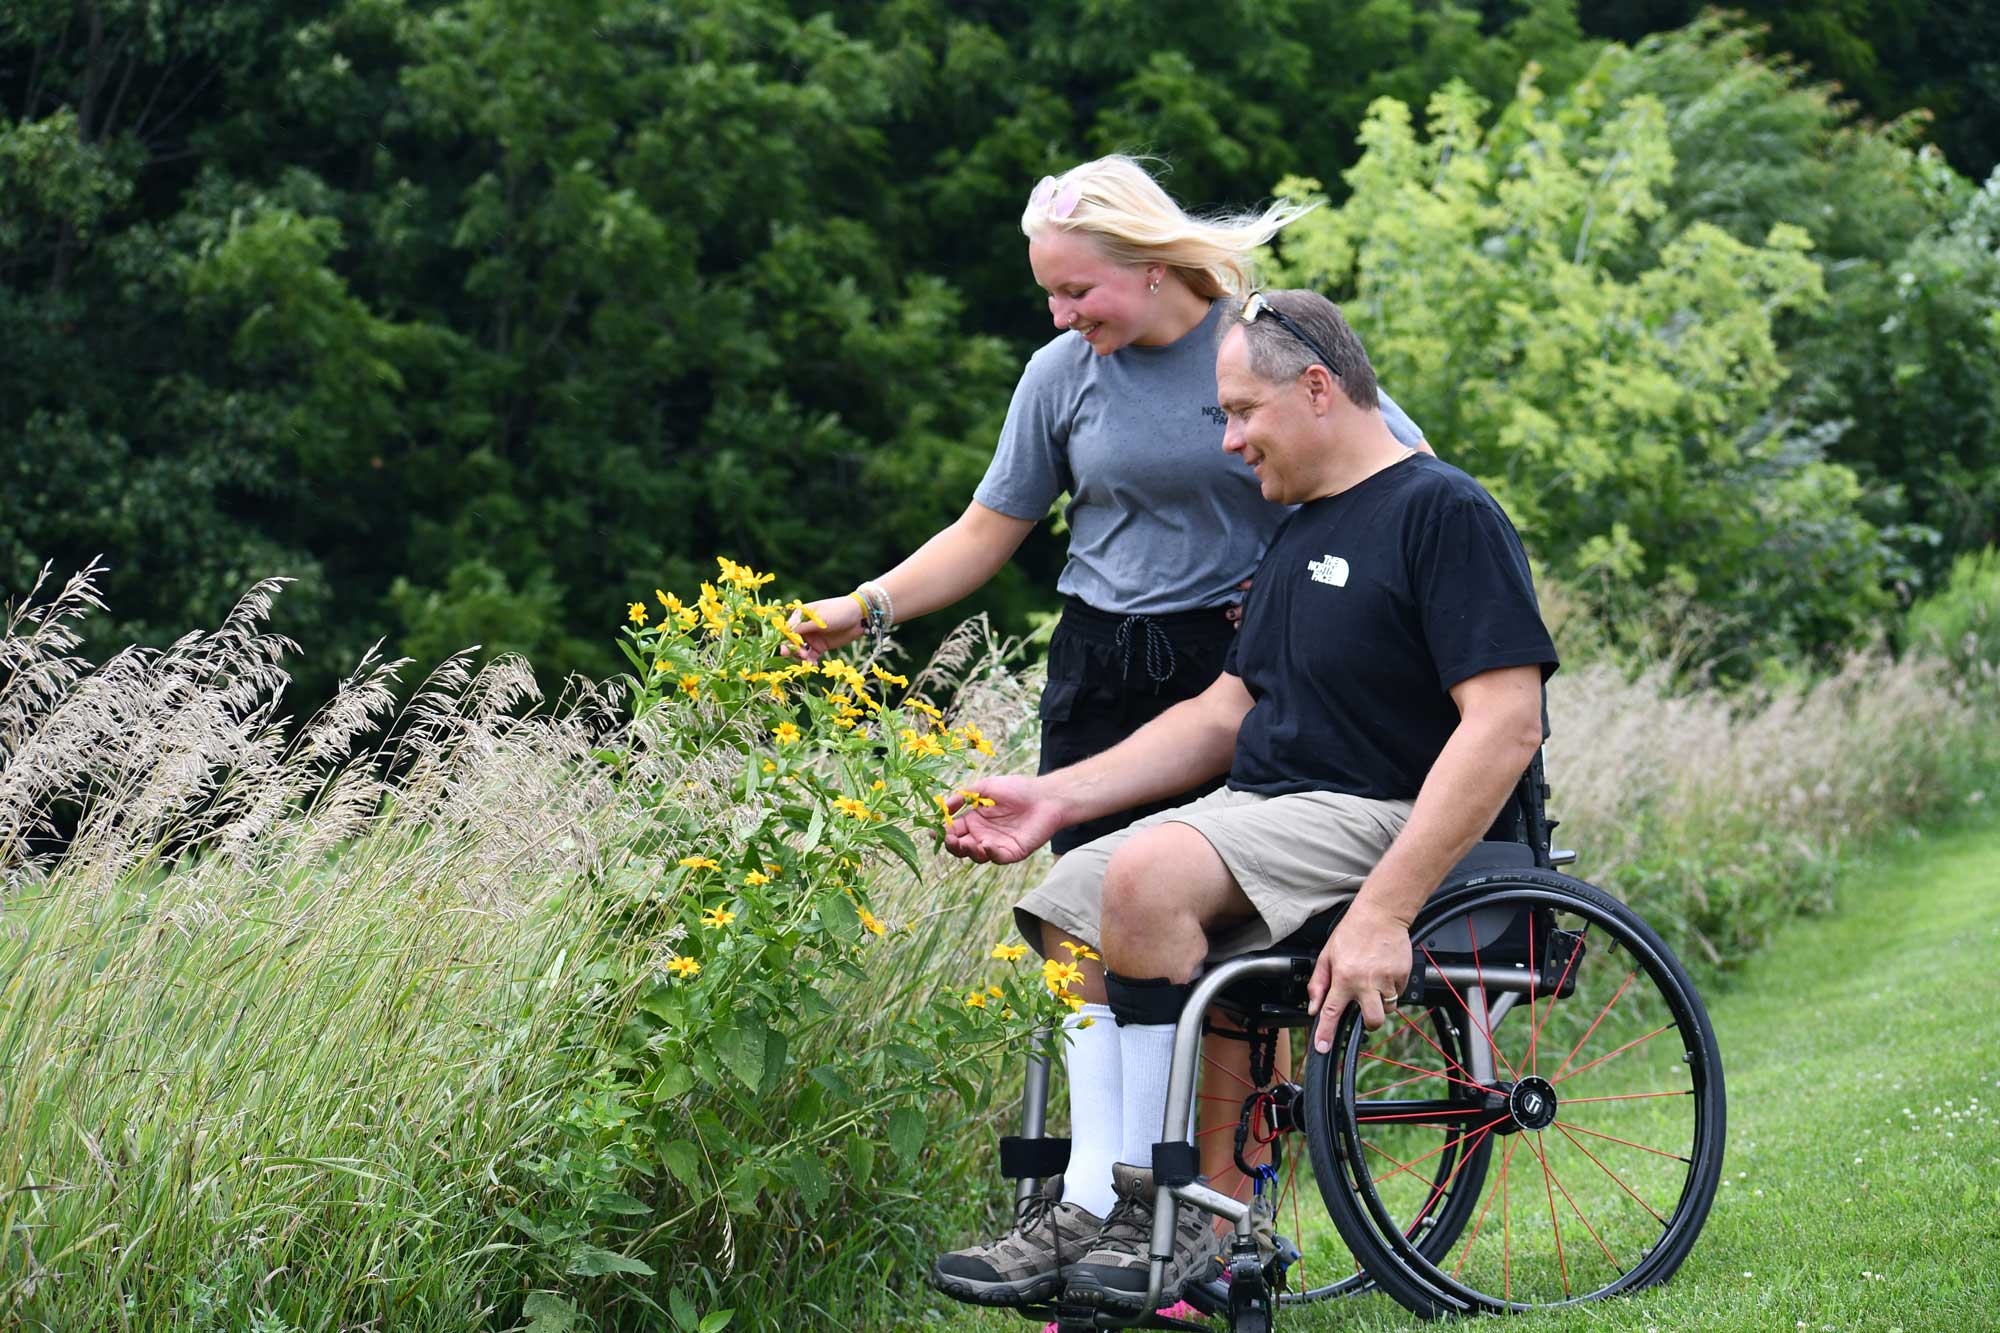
(472, 317)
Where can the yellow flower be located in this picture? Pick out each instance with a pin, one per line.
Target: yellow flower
(1079, 950)
(770, 767)
(877, 785)
(920, 706)
(976, 1000)
(684, 967)
(974, 799)
(717, 917)
(636, 613)
(847, 805)
(944, 812)
(700, 863)
(672, 604)
(888, 677)
(1057, 975)
(663, 665)
(976, 738)
(807, 612)
(777, 690)
(920, 745)
(691, 685)
(1009, 953)
(1075, 1002)
(771, 870)
(742, 576)
(753, 879)
(787, 734)
(995, 992)
(870, 922)
(687, 615)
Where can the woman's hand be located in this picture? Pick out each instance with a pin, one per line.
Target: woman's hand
(843, 626)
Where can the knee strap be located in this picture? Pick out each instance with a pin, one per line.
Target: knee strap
(1145, 1000)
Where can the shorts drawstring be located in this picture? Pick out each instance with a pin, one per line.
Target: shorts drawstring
(1159, 648)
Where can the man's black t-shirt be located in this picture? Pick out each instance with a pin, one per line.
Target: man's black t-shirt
(1369, 606)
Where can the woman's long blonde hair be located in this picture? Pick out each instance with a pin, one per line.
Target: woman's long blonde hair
(1117, 203)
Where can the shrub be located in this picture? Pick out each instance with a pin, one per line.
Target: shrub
(1961, 621)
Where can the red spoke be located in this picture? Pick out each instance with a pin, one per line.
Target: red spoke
(1557, 1076)
(1629, 1096)
(1404, 1019)
(1657, 1152)
(1480, 1221)
(1535, 1028)
(1494, 1045)
(1214, 1129)
(1613, 1174)
(1437, 1192)
(1581, 1218)
(1562, 1260)
(1401, 1082)
(1485, 998)
(1636, 1041)
(1401, 1167)
(1214, 1063)
(1226, 1101)
(1427, 1073)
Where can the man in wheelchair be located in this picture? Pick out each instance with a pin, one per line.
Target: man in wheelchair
(1378, 708)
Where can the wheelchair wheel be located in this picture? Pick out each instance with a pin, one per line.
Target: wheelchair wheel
(1591, 1150)
(1321, 1267)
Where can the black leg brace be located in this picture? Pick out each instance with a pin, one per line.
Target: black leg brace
(1145, 1000)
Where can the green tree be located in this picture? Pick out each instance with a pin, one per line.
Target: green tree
(1616, 387)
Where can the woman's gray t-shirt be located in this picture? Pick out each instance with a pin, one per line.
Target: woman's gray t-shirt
(1160, 518)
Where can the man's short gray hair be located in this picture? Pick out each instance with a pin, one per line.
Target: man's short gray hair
(1279, 355)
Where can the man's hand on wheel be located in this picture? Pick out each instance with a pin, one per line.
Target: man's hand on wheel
(1366, 962)
(1020, 818)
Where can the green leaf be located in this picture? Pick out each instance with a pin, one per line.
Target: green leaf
(683, 1311)
(814, 1185)
(671, 1080)
(684, 1160)
(715, 1321)
(741, 1046)
(899, 842)
(622, 1205)
(590, 1261)
(814, 830)
(835, 1082)
(776, 1049)
(906, 1132)
(549, 1313)
(860, 1159)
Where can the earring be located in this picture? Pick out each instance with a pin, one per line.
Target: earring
(1153, 287)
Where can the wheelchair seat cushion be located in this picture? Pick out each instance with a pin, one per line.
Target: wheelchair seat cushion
(1310, 938)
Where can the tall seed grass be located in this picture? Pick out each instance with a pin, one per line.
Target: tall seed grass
(284, 1010)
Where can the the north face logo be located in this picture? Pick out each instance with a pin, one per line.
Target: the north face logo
(1331, 570)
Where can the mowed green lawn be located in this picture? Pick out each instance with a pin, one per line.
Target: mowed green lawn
(1862, 1054)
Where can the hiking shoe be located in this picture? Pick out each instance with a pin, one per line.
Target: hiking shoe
(1113, 1274)
(1028, 1264)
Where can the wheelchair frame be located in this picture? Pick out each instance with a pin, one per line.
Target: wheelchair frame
(1518, 858)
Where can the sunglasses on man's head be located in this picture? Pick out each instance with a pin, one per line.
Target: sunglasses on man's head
(1259, 304)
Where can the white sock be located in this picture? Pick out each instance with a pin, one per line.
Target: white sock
(1146, 1052)
(1091, 1060)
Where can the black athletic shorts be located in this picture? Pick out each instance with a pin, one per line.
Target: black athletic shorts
(1109, 675)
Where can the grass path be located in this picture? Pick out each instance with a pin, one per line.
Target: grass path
(1862, 1052)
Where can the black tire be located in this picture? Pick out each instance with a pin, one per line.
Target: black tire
(1621, 991)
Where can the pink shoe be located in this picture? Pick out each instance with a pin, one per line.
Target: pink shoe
(1178, 1310)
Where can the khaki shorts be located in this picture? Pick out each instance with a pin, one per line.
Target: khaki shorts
(1292, 856)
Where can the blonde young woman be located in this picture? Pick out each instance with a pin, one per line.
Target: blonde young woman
(1119, 410)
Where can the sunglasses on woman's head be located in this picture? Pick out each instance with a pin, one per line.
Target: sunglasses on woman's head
(1259, 304)
(1060, 202)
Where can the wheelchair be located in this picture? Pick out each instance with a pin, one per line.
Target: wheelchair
(1539, 1121)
